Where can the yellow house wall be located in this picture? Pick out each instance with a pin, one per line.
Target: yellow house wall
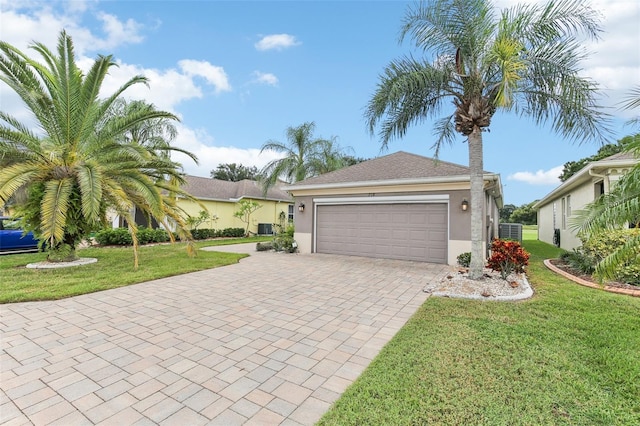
(224, 210)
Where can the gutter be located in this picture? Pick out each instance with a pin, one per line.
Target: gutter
(444, 179)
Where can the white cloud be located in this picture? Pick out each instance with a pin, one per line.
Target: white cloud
(277, 42)
(265, 78)
(541, 177)
(200, 143)
(213, 74)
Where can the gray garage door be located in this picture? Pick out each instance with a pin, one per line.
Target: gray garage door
(390, 231)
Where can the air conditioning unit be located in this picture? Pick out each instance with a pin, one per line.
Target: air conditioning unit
(510, 231)
(265, 229)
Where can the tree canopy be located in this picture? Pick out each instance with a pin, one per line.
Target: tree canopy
(235, 172)
(572, 167)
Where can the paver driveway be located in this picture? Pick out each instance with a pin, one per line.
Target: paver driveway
(274, 339)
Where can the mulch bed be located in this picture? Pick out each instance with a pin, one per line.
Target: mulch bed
(568, 269)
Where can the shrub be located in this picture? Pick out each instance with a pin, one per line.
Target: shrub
(507, 257)
(600, 246)
(232, 232)
(285, 242)
(203, 234)
(122, 237)
(464, 259)
(579, 260)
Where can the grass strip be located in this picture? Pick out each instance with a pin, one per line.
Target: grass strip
(113, 269)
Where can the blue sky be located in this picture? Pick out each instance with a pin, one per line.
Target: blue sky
(239, 73)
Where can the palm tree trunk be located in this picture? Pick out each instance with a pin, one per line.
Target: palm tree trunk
(476, 169)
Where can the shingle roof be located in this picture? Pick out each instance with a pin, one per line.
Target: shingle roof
(397, 166)
(216, 189)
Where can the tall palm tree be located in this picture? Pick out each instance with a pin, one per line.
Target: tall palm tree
(526, 60)
(328, 157)
(302, 155)
(78, 164)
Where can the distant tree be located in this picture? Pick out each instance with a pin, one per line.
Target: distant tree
(235, 172)
(245, 210)
(572, 167)
(505, 212)
(304, 156)
(525, 214)
(350, 160)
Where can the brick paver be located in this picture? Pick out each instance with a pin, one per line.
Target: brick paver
(274, 339)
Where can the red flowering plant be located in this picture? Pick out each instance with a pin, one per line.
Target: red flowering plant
(507, 256)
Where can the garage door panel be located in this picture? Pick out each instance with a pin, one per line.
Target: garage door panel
(396, 231)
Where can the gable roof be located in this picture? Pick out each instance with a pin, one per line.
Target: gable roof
(396, 168)
(223, 190)
(621, 159)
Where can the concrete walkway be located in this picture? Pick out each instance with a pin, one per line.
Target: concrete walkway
(272, 340)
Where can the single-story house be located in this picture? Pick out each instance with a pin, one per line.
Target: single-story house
(559, 207)
(399, 206)
(221, 198)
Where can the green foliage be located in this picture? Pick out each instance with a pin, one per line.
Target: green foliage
(205, 233)
(579, 260)
(245, 210)
(89, 155)
(232, 233)
(122, 236)
(505, 212)
(507, 257)
(303, 156)
(600, 246)
(194, 221)
(285, 242)
(464, 259)
(572, 167)
(525, 214)
(235, 172)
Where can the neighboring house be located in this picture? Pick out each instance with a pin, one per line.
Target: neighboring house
(221, 198)
(556, 209)
(400, 206)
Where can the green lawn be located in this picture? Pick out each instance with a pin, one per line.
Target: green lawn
(113, 269)
(568, 356)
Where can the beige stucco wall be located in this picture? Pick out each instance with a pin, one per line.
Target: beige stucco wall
(223, 211)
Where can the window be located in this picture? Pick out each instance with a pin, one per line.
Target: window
(555, 211)
(568, 205)
(564, 213)
(290, 213)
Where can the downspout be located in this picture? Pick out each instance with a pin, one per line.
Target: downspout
(605, 180)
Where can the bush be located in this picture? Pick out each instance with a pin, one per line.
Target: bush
(122, 237)
(579, 261)
(285, 242)
(203, 234)
(464, 259)
(232, 232)
(507, 257)
(600, 246)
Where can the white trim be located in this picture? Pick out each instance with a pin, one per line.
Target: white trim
(392, 199)
(388, 182)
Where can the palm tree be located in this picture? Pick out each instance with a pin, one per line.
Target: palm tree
(328, 157)
(525, 61)
(303, 156)
(617, 209)
(79, 163)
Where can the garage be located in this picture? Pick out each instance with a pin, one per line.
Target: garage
(405, 231)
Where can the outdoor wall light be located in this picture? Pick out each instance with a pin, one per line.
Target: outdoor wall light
(301, 207)
(465, 205)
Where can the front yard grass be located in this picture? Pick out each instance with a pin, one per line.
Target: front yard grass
(113, 269)
(568, 356)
